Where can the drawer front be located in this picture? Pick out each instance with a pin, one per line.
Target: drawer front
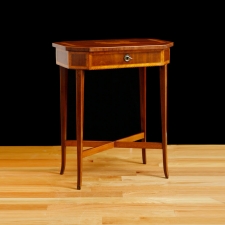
(125, 60)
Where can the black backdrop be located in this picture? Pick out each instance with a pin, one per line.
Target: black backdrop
(30, 77)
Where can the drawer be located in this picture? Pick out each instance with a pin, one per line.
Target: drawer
(128, 59)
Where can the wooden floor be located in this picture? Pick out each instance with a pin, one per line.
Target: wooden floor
(117, 187)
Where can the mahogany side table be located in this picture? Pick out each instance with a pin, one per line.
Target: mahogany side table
(111, 54)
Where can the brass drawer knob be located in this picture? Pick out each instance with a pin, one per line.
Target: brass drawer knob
(127, 58)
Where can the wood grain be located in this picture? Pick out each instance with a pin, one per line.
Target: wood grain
(79, 123)
(113, 45)
(134, 137)
(62, 58)
(63, 114)
(143, 145)
(143, 108)
(120, 191)
(112, 144)
(86, 143)
(163, 101)
(109, 54)
(98, 149)
(116, 60)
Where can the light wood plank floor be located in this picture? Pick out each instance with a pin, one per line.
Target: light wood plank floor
(117, 188)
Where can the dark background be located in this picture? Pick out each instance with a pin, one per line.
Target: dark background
(30, 78)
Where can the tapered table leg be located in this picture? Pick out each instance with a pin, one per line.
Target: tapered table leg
(79, 123)
(63, 114)
(163, 99)
(142, 81)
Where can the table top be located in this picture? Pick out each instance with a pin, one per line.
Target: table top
(113, 45)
